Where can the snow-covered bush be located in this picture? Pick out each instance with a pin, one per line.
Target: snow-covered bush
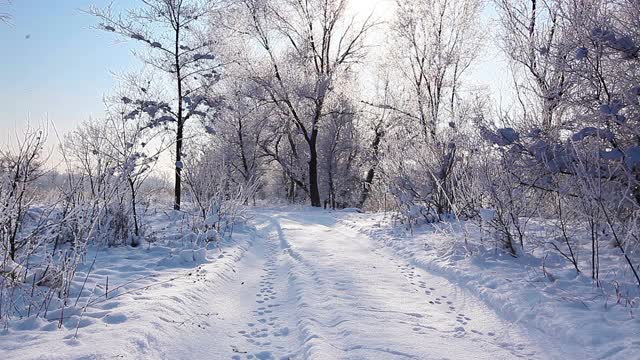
(20, 168)
(46, 228)
(43, 239)
(219, 198)
(109, 161)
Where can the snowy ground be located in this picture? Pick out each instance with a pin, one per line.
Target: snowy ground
(600, 322)
(307, 284)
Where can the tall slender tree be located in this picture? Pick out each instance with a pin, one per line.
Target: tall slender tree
(172, 34)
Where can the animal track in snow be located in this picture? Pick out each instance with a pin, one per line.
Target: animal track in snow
(261, 333)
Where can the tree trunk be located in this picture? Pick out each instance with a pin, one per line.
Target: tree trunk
(366, 187)
(180, 128)
(371, 173)
(314, 192)
(178, 186)
(136, 227)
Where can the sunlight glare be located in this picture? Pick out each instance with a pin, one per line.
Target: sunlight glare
(365, 7)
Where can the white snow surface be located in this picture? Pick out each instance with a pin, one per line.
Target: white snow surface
(305, 284)
(540, 291)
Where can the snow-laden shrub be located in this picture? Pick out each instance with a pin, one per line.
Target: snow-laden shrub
(45, 229)
(19, 170)
(32, 234)
(219, 199)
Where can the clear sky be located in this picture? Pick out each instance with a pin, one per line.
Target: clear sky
(54, 65)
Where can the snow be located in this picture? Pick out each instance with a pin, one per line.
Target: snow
(613, 155)
(362, 302)
(315, 284)
(611, 109)
(582, 53)
(502, 137)
(632, 156)
(591, 131)
(153, 292)
(589, 322)
(509, 135)
(210, 129)
(487, 215)
(197, 57)
(138, 37)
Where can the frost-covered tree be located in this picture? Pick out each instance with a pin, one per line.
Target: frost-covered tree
(111, 158)
(340, 152)
(592, 164)
(432, 45)
(172, 35)
(309, 48)
(532, 37)
(20, 168)
(215, 190)
(240, 130)
(377, 121)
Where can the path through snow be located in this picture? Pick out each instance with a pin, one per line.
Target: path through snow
(306, 287)
(328, 292)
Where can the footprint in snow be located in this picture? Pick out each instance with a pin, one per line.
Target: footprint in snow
(115, 319)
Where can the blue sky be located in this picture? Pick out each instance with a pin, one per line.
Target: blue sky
(54, 65)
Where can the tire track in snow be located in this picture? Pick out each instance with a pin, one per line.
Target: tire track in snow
(356, 302)
(268, 334)
(310, 339)
(325, 332)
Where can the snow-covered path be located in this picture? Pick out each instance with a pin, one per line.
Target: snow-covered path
(305, 286)
(324, 291)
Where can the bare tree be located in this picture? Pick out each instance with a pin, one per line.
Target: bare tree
(309, 46)
(433, 45)
(377, 118)
(19, 170)
(172, 32)
(340, 153)
(533, 36)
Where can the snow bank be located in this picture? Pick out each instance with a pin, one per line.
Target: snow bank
(129, 300)
(557, 301)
